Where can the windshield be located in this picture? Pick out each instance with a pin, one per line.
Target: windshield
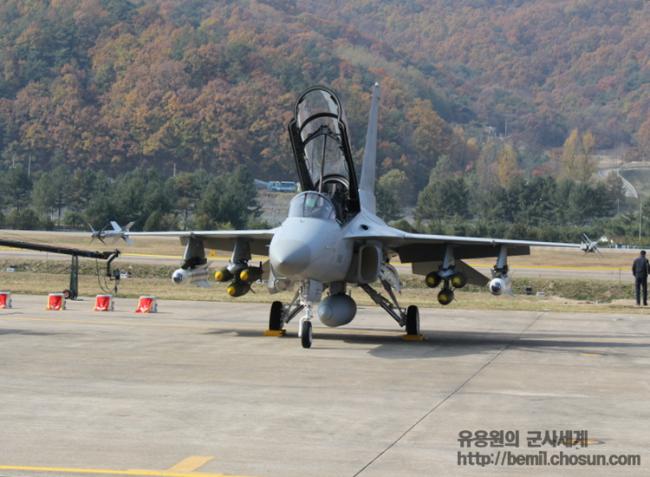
(312, 205)
(318, 115)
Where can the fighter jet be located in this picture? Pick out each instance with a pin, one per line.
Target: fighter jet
(117, 232)
(332, 239)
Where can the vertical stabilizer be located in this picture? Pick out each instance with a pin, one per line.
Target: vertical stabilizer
(369, 166)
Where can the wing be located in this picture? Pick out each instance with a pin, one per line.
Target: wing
(224, 240)
(428, 247)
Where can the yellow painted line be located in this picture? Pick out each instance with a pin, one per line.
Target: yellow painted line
(191, 463)
(131, 472)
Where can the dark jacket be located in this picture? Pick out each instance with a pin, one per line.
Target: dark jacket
(640, 267)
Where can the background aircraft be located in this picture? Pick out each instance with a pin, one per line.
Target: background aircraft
(333, 239)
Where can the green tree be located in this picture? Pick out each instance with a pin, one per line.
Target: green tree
(51, 192)
(228, 199)
(392, 193)
(443, 198)
(17, 185)
(188, 189)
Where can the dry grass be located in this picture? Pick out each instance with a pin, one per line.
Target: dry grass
(568, 258)
(171, 247)
(155, 281)
(40, 277)
(167, 246)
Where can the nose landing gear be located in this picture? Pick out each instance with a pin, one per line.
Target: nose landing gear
(280, 314)
(306, 336)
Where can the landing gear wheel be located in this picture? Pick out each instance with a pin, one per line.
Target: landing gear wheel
(306, 334)
(275, 316)
(412, 321)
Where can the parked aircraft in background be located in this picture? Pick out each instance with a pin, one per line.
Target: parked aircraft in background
(332, 238)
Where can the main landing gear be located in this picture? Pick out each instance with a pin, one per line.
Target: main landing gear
(408, 318)
(280, 315)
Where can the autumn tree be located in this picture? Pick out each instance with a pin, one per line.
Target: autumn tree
(507, 165)
(576, 161)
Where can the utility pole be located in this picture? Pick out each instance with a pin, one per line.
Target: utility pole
(640, 218)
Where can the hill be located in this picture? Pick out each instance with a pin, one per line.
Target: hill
(542, 67)
(181, 85)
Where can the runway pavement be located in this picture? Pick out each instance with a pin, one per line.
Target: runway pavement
(197, 390)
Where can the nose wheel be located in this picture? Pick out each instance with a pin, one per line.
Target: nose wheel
(306, 335)
(304, 328)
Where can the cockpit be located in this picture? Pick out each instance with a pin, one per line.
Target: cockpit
(321, 148)
(312, 205)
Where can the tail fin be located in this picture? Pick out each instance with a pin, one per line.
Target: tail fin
(369, 166)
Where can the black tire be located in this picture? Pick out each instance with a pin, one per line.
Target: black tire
(412, 320)
(275, 316)
(306, 334)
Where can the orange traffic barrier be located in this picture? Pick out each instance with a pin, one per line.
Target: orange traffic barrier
(5, 299)
(104, 303)
(56, 301)
(147, 304)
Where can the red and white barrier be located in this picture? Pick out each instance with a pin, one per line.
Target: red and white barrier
(147, 304)
(104, 303)
(5, 299)
(56, 301)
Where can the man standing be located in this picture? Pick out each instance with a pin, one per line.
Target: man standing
(640, 269)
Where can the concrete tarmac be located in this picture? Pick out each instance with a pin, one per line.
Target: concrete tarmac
(197, 390)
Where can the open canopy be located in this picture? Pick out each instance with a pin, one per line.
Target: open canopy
(322, 149)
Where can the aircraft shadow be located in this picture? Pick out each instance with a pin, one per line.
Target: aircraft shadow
(441, 344)
(9, 331)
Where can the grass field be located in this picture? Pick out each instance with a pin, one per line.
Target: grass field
(43, 276)
(590, 296)
(171, 247)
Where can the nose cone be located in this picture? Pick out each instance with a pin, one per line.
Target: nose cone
(289, 258)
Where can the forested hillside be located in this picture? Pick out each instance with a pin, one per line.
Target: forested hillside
(114, 83)
(477, 95)
(542, 67)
